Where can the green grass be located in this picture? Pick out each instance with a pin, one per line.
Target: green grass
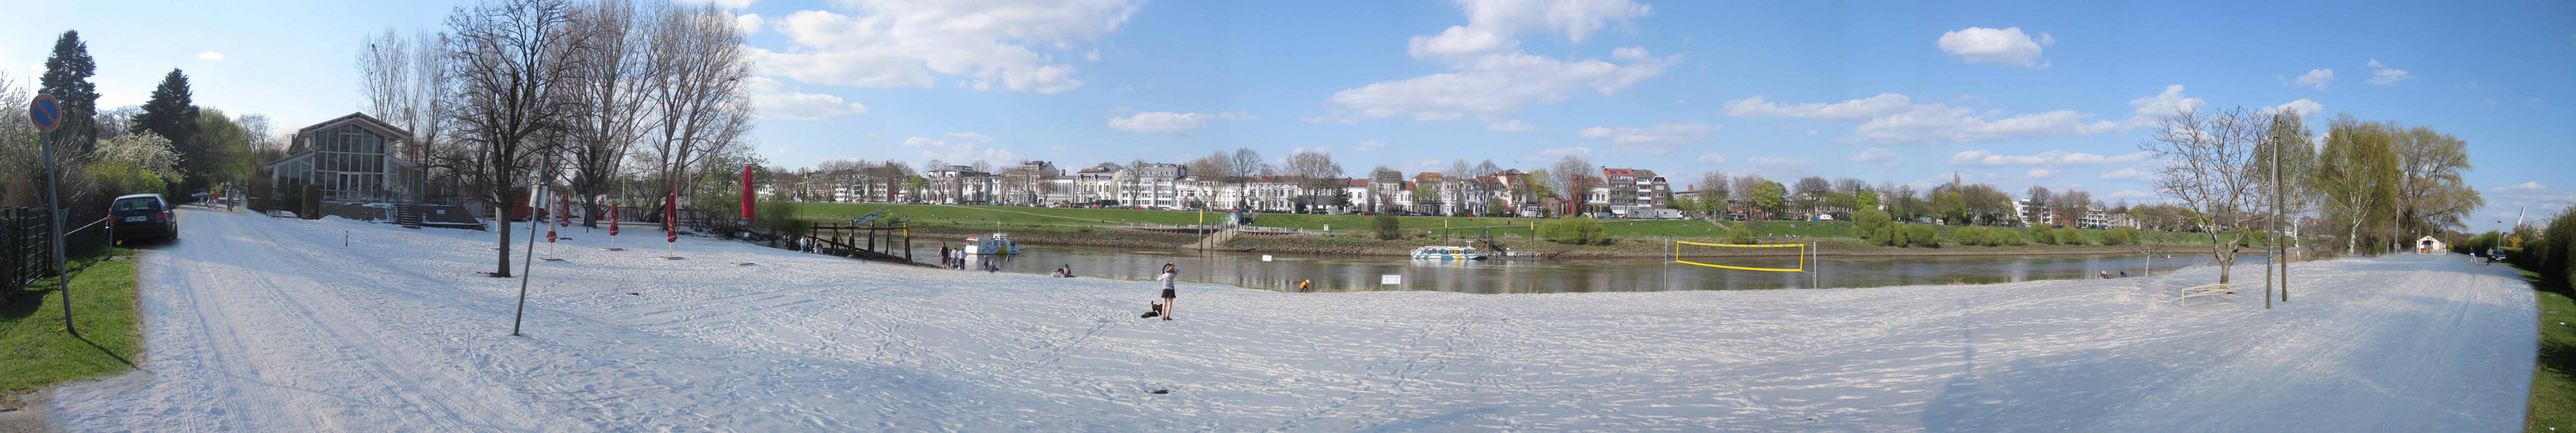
(39, 354)
(2553, 382)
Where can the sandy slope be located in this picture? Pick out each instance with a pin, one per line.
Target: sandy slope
(271, 325)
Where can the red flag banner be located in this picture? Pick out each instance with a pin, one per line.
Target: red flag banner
(612, 220)
(746, 192)
(671, 216)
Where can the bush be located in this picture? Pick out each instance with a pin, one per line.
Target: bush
(1386, 227)
(2007, 237)
(1889, 235)
(1870, 220)
(1574, 231)
(1741, 234)
(1922, 236)
(2070, 236)
(780, 218)
(2120, 236)
(2041, 234)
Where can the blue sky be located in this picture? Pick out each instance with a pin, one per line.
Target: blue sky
(2015, 94)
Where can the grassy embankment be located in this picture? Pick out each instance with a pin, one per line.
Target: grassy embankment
(1346, 235)
(2553, 382)
(38, 353)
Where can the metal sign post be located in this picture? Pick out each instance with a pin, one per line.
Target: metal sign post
(47, 114)
(536, 200)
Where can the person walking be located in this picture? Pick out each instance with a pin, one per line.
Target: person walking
(1164, 308)
(944, 258)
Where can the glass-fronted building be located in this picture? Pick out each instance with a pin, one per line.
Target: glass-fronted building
(351, 158)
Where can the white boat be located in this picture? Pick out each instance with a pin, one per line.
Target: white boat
(1447, 253)
(997, 244)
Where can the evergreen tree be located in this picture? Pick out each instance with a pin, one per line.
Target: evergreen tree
(66, 77)
(172, 114)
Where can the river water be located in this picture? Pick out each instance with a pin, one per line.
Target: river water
(1364, 273)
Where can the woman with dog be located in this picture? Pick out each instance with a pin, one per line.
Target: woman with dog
(1164, 308)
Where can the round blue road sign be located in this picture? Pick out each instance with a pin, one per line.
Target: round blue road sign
(46, 112)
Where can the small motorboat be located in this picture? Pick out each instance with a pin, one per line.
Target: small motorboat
(997, 244)
(1447, 253)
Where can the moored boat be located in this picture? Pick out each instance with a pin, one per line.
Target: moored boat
(997, 244)
(1447, 253)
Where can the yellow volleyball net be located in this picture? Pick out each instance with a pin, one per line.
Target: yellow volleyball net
(1685, 251)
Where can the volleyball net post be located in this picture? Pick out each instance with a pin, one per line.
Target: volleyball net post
(1808, 259)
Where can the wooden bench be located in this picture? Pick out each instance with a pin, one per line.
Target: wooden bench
(2184, 295)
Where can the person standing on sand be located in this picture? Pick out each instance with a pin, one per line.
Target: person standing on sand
(943, 255)
(1164, 308)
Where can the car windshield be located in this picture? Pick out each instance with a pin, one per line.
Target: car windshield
(133, 204)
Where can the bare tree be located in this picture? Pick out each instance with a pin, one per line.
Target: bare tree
(696, 65)
(2210, 163)
(611, 93)
(1315, 172)
(385, 76)
(1574, 180)
(515, 61)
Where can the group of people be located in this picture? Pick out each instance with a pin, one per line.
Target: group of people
(1063, 272)
(955, 258)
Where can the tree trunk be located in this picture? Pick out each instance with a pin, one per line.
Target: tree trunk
(504, 269)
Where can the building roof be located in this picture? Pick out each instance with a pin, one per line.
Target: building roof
(1607, 172)
(388, 130)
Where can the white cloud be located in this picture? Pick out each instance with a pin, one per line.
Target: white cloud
(749, 24)
(1811, 133)
(1371, 145)
(1170, 123)
(1766, 163)
(2008, 47)
(1712, 158)
(1491, 78)
(1498, 85)
(2381, 74)
(2126, 173)
(964, 150)
(1652, 140)
(1896, 118)
(2041, 173)
(776, 100)
(210, 55)
(2129, 193)
(2532, 192)
(1875, 106)
(1879, 156)
(2318, 78)
(1563, 151)
(910, 43)
(2049, 158)
(1937, 123)
(2304, 107)
(1492, 24)
(1511, 126)
(2163, 104)
(727, 4)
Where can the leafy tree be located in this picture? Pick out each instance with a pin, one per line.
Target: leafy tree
(172, 114)
(2041, 234)
(1767, 196)
(225, 147)
(66, 77)
(2357, 175)
(1865, 199)
(2070, 236)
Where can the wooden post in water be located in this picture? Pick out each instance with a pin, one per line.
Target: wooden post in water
(907, 241)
